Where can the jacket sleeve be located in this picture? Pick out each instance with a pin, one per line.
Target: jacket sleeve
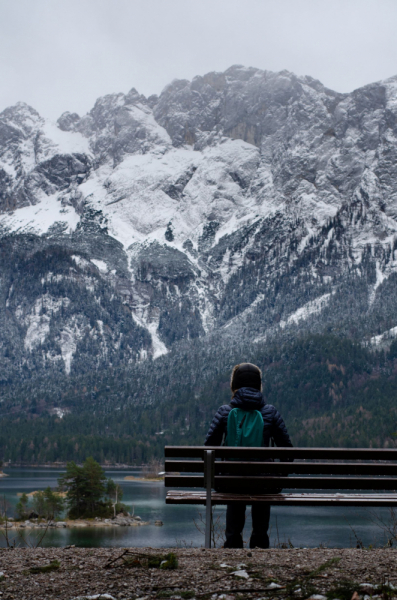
(216, 430)
(279, 432)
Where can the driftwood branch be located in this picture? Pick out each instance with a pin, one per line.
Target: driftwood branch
(110, 562)
(127, 553)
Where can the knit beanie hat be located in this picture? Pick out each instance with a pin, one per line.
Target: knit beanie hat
(246, 375)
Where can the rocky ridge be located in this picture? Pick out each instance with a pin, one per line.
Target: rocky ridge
(243, 204)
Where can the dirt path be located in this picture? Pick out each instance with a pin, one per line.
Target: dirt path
(269, 574)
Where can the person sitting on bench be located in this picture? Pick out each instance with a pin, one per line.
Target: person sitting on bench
(246, 386)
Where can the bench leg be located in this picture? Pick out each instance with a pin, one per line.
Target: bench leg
(208, 521)
(208, 501)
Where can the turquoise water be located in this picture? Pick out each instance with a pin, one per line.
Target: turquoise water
(305, 527)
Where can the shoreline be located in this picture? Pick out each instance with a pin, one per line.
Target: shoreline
(62, 465)
(147, 479)
(77, 523)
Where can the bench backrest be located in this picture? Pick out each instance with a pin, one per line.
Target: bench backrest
(312, 468)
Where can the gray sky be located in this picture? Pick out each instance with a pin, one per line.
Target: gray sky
(60, 55)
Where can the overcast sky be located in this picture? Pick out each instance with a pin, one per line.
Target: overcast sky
(60, 55)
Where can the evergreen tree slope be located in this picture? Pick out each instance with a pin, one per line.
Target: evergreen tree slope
(330, 391)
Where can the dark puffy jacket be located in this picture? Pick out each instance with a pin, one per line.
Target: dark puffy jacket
(249, 399)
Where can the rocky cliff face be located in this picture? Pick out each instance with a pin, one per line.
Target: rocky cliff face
(240, 205)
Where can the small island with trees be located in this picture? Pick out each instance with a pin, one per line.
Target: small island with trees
(84, 493)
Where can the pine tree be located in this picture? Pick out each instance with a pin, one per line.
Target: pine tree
(22, 507)
(85, 489)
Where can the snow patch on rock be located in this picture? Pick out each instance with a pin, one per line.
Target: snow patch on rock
(380, 277)
(38, 321)
(65, 142)
(245, 312)
(68, 339)
(310, 308)
(384, 337)
(159, 348)
(38, 329)
(100, 264)
(142, 318)
(38, 218)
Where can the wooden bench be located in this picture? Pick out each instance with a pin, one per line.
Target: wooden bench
(364, 476)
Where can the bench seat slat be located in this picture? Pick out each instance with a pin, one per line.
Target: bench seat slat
(318, 483)
(283, 453)
(302, 468)
(288, 499)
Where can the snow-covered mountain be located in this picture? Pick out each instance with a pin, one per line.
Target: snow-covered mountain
(240, 205)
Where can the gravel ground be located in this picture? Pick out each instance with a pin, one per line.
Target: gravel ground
(208, 574)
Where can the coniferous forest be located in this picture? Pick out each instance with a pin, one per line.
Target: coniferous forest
(330, 391)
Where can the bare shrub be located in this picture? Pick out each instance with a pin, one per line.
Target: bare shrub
(15, 536)
(152, 470)
(387, 524)
(217, 527)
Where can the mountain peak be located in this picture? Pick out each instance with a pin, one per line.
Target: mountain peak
(21, 114)
(244, 203)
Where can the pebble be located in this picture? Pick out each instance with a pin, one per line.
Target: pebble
(243, 574)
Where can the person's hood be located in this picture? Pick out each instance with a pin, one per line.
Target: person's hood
(247, 399)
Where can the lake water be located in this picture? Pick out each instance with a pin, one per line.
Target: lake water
(305, 527)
